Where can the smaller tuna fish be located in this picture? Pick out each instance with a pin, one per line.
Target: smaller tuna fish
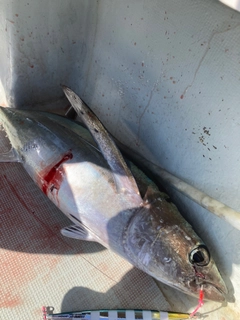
(109, 201)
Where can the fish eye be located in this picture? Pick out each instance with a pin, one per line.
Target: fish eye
(200, 256)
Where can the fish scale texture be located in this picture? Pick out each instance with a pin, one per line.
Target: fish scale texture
(40, 267)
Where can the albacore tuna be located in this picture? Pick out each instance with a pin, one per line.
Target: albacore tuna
(109, 201)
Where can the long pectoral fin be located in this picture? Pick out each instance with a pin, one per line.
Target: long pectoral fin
(10, 156)
(78, 232)
(124, 179)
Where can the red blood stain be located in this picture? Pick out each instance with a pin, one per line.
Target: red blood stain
(49, 232)
(53, 178)
(16, 15)
(9, 301)
(49, 268)
(17, 271)
(182, 96)
(104, 267)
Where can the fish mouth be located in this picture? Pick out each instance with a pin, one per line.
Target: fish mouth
(211, 292)
(215, 292)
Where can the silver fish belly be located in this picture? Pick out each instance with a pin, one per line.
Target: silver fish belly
(108, 201)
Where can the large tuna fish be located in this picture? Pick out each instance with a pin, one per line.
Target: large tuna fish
(108, 201)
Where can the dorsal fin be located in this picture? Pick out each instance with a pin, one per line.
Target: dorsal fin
(122, 174)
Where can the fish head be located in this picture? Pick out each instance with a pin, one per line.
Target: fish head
(160, 241)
